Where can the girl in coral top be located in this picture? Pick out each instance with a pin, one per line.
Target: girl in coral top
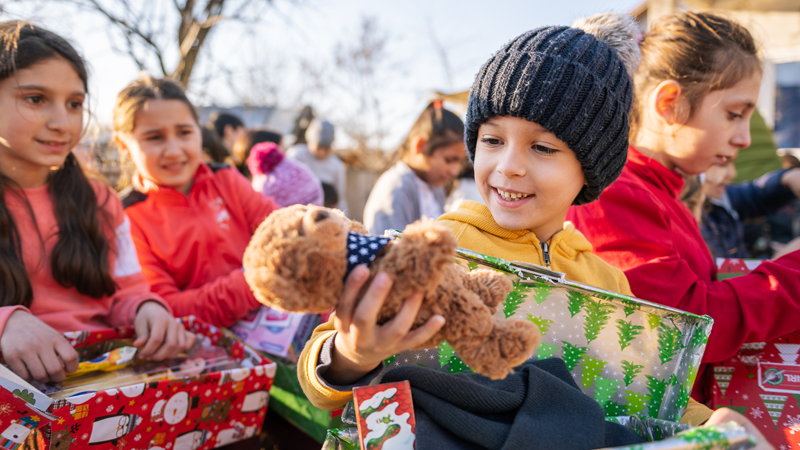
(191, 222)
(696, 88)
(67, 261)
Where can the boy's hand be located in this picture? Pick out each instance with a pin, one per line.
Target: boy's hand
(725, 415)
(34, 350)
(161, 335)
(361, 344)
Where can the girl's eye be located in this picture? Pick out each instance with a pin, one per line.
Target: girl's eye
(545, 150)
(76, 105)
(35, 99)
(491, 141)
(734, 116)
(154, 137)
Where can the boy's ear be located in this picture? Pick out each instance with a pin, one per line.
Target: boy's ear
(122, 146)
(668, 101)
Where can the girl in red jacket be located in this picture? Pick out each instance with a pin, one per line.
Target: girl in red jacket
(67, 261)
(695, 91)
(191, 222)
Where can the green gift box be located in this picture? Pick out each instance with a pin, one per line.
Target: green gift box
(288, 400)
(633, 356)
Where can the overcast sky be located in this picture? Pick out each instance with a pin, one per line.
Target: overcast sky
(468, 31)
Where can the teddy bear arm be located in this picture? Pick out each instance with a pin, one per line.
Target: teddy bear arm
(491, 286)
(420, 257)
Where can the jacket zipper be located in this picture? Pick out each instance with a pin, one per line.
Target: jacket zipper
(546, 253)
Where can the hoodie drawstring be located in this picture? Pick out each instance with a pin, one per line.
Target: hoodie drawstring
(546, 253)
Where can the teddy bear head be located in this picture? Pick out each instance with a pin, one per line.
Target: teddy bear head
(297, 258)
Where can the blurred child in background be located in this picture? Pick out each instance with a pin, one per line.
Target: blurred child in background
(413, 187)
(317, 155)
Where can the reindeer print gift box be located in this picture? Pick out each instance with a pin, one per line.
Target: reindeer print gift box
(198, 411)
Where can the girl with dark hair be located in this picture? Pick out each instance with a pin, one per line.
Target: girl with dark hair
(413, 188)
(190, 221)
(67, 260)
(695, 91)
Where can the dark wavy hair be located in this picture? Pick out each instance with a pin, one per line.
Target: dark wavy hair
(80, 256)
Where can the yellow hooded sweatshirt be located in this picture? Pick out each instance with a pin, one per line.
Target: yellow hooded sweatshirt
(475, 229)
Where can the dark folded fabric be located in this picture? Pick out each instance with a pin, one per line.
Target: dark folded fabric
(539, 406)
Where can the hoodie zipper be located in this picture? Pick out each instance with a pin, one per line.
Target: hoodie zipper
(546, 253)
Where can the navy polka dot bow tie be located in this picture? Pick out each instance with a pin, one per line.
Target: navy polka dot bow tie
(362, 249)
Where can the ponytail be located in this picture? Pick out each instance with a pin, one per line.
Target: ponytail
(438, 126)
(701, 51)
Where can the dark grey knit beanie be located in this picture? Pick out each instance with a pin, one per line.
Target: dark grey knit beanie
(570, 82)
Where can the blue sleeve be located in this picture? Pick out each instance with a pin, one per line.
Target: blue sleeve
(760, 197)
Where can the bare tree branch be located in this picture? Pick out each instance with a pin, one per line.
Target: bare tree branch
(145, 28)
(128, 29)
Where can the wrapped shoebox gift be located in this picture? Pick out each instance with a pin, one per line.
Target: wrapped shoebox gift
(729, 436)
(633, 356)
(659, 434)
(713, 437)
(762, 381)
(735, 267)
(214, 394)
(276, 332)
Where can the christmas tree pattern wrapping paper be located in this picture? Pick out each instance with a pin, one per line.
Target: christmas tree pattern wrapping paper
(661, 434)
(729, 436)
(632, 356)
(762, 381)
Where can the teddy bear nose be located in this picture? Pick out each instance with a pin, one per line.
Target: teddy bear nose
(319, 215)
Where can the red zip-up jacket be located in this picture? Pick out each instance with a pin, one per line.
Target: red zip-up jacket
(640, 225)
(191, 247)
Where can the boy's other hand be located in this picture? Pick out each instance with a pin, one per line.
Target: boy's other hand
(159, 335)
(34, 350)
(361, 344)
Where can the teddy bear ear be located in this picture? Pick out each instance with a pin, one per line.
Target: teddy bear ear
(358, 227)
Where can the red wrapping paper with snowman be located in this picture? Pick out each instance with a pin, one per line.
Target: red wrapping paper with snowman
(202, 411)
(385, 416)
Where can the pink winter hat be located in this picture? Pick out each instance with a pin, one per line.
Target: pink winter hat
(287, 181)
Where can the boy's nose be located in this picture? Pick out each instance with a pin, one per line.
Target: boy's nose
(510, 166)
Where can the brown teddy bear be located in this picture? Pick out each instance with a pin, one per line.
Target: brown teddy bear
(300, 256)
